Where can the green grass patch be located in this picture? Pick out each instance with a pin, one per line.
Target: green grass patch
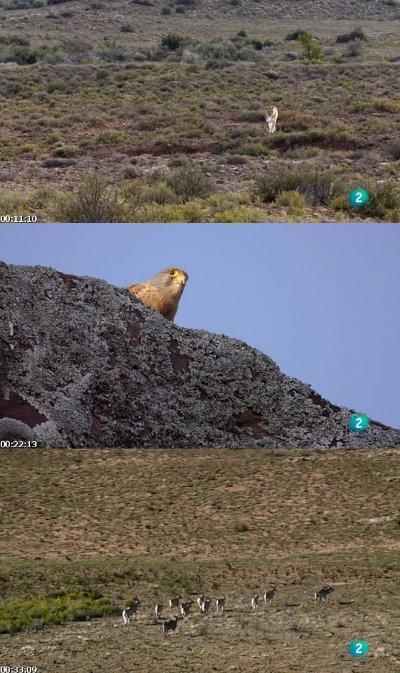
(60, 606)
(254, 150)
(239, 214)
(292, 201)
(187, 212)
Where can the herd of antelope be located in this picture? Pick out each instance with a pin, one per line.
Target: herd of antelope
(175, 604)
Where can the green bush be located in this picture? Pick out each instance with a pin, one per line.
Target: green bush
(91, 202)
(293, 201)
(356, 34)
(254, 150)
(63, 151)
(14, 201)
(239, 214)
(385, 105)
(23, 55)
(269, 185)
(15, 39)
(57, 163)
(252, 116)
(18, 4)
(159, 193)
(292, 37)
(383, 203)
(189, 182)
(9, 89)
(354, 48)
(57, 85)
(316, 186)
(187, 212)
(36, 612)
(312, 49)
(172, 41)
(217, 63)
(394, 150)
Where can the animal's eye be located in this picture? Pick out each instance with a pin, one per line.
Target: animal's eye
(172, 272)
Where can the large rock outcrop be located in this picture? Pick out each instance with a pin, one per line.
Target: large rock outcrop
(85, 364)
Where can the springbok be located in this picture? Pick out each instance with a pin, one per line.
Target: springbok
(271, 115)
(205, 606)
(158, 608)
(254, 602)
(185, 609)
(130, 611)
(268, 596)
(170, 625)
(324, 593)
(174, 602)
(220, 603)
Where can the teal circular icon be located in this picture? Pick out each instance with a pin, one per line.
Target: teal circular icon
(358, 648)
(358, 422)
(358, 197)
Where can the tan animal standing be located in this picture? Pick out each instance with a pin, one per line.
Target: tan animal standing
(271, 115)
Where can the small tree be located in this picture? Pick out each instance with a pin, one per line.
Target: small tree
(312, 48)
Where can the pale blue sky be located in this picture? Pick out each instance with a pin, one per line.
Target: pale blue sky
(322, 300)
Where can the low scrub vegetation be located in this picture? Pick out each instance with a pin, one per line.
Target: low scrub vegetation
(292, 37)
(189, 182)
(317, 187)
(36, 612)
(394, 150)
(172, 46)
(92, 202)
(293, 202)
(356, 34)
(384, 202)
(166, 135)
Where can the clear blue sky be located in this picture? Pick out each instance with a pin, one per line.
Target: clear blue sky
(323, 300)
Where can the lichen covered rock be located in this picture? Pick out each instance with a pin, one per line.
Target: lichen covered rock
(85, 364)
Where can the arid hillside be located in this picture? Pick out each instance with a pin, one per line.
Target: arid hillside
(154, 524)
(154, 110)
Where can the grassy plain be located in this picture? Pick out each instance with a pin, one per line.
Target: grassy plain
(120, 524)
(109, 96)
